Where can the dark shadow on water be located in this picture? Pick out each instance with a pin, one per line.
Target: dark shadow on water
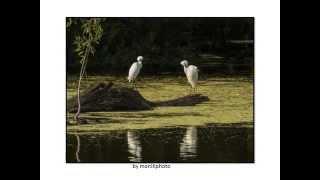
(233, 143)
(126, 117)
(189, 100)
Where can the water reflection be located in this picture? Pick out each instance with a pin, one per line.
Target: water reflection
(188, 146)
(134, 147)
(78, 148)
(191, 144)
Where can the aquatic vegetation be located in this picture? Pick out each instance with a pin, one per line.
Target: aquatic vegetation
(230, 101)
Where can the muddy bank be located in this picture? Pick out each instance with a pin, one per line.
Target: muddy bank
(107, 97)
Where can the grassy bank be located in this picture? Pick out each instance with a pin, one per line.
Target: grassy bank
(231, 101)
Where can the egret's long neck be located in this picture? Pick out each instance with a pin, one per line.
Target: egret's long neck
(185, 69)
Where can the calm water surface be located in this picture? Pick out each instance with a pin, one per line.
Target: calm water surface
(191, 144)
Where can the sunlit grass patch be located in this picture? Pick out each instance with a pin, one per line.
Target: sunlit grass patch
(231, 101)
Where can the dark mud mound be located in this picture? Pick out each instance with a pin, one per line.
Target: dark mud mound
(104, 97)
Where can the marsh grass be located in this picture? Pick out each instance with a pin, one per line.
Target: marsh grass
(230, 101)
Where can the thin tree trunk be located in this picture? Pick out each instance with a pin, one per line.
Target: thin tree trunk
(83, 66)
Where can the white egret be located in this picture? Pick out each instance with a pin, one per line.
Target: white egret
(191, 72)
(134, 70)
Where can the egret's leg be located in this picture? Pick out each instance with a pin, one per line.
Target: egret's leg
(134, 85)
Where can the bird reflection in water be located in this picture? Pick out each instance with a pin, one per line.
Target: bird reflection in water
(188, 146)
(134, 147)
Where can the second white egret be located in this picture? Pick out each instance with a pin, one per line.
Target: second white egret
(191, 72)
